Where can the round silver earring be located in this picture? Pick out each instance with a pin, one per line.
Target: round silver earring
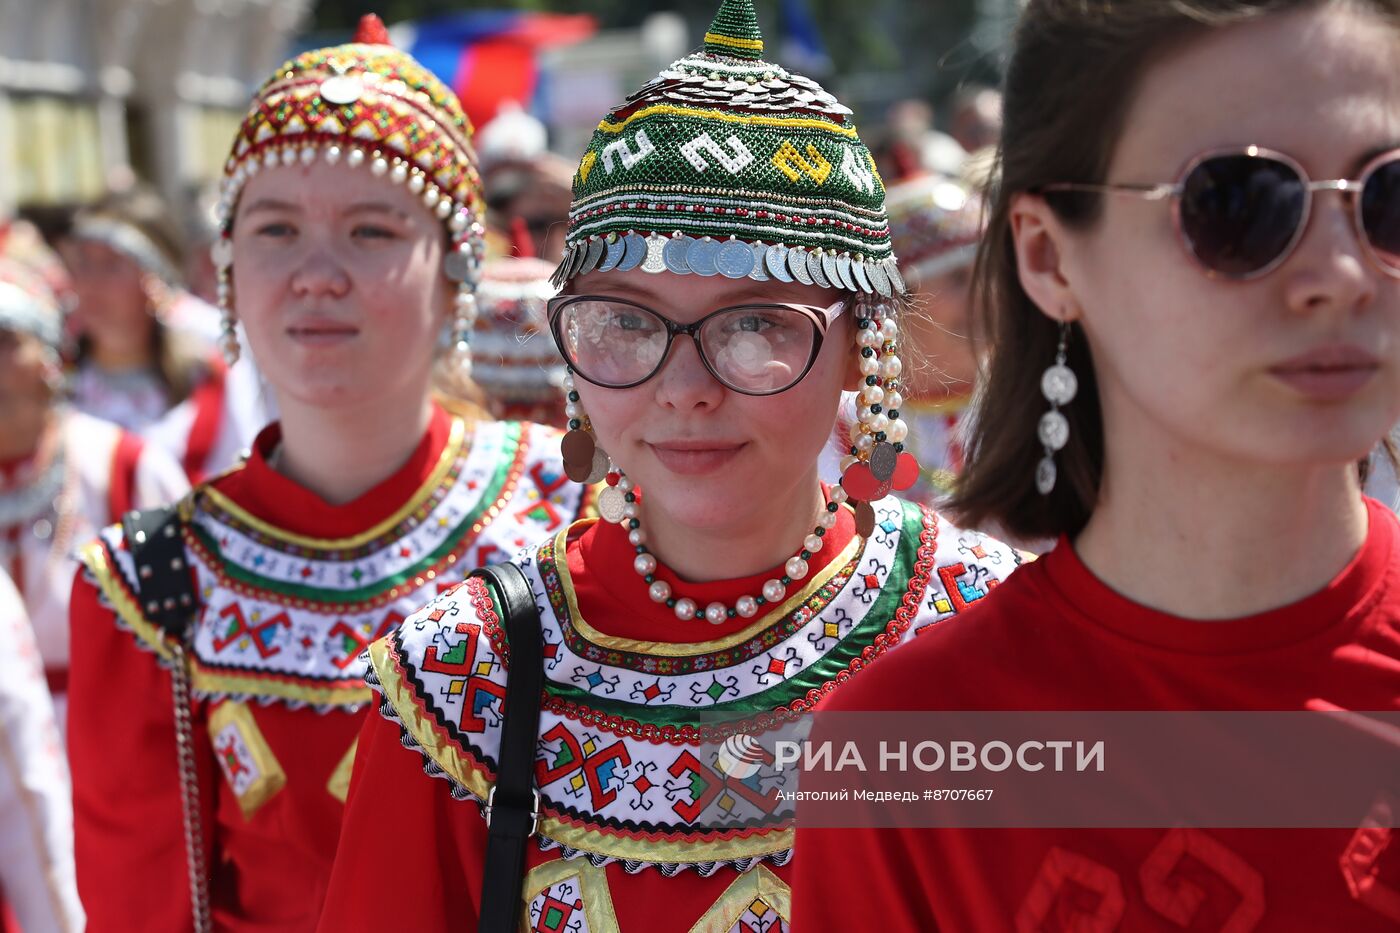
(1059, 385)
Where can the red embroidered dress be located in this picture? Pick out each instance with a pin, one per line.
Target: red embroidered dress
(292, 590)
(641, 828)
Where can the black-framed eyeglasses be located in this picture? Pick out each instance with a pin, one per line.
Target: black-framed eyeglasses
(754, 349)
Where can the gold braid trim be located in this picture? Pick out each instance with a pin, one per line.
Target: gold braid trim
(109, 582)
(470, 774)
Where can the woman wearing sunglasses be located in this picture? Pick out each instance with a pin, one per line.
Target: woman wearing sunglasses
(1192, 285)
(725, 279)
(215, 743)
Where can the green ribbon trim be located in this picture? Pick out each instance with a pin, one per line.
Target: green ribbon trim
(782, 694)
(489, 496)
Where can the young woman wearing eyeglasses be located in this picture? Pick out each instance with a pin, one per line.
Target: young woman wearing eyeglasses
(1192, 286)
(723, 283)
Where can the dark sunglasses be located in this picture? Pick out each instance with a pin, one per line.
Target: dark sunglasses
(1241, 212)
(754, 349)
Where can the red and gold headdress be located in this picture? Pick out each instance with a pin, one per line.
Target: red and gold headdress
(366, 104)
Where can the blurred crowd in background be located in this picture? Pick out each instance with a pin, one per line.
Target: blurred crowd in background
(115, 113)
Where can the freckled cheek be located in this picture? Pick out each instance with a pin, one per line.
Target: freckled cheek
(620, 417)
(402, 309)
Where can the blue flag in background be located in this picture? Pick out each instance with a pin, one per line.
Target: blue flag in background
(801, 47)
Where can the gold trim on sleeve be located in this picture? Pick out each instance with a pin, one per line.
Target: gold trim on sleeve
(211, 683)
(339, 784)
(94, 556)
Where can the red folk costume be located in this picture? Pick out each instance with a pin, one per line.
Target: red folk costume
(290, 588)
(83, 475)
(1056, 638)
(647, 824)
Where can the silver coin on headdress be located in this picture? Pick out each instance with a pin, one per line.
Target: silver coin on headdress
(634, 251)
(814, 269)
(797, 262)
(593, 256)
(735, 259)
(615, 251)
(759, 272)
(776, 261)
(675, 254)
(702, 256)
(862, 277)
(880, 279)
(843, 271)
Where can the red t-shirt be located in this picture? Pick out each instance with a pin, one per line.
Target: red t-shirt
(1056, 638)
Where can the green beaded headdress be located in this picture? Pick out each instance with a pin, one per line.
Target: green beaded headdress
(727, 164)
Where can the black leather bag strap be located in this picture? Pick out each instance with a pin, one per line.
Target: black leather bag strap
(164, 585)
(513, 806)
(165, 590)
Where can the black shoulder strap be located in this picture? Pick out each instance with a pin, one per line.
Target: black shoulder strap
(164, 585)
(513, 806)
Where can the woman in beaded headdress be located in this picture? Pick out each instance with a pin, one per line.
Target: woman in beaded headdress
(351, 239)
(935, 224)
(728, 273)
(63, 474)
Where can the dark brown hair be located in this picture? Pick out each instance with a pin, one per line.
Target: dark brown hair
(1071, 79)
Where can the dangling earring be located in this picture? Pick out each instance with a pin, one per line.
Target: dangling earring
(585, 461)
(1059, 385)
(463, 266)
(462, 324)
(878, 462)
(222, 254)
(228, 338)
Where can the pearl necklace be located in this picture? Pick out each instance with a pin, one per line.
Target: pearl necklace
(746, 607)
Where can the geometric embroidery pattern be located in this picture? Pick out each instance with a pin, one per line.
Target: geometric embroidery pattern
(249, 767)
(625, 768)
(564, 896)
(287, 620)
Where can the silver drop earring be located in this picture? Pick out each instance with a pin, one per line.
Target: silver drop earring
(1059, 385)
(222, 254)
(464, 320)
